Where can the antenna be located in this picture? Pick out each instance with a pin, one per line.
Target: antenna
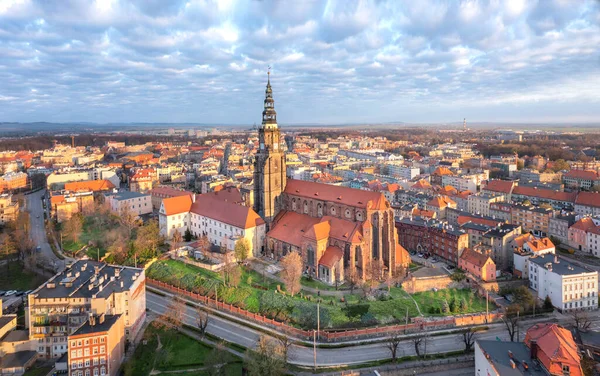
(465, 124)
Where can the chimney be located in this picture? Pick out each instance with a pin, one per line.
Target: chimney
(101, 319)
(533, 349)
(556, 259)
(96, 269)
(117, 272)
(513, 365)
(92, 319)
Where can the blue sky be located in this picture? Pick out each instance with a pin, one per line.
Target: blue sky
(332, 61)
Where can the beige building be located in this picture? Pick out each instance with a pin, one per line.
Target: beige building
(137, 203)
(63, 206)
(531, 218)
(480, 203)
(9, 209)
(59, 307)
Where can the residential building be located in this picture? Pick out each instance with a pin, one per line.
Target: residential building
(97, 348)
(143, 180)
(503, 187)
(555, 348)
(12, 181)
(538, 196)
(498, 239)
(158, 194)
(558, 226)
(432, 237)
(498, 358)
(9, 209)
(62, 304)
(402, 171)
(63, 206)
(578, 232)
(134, 202)
(588, 203)
(89, 186)
(526, 246)
(501, 211)
(581, 179)
(531, 218)
(213, 216)
(569, 286)
(480, 203)
(478, 264)
(439, 204)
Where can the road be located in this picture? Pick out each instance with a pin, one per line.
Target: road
(37, 229)
(247, 337)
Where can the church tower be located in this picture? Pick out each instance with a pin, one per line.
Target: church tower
(269, 164)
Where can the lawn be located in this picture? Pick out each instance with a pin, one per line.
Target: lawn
(316, 284)
(178, 353)
(89, 232)
(15, 277)
(354, 311)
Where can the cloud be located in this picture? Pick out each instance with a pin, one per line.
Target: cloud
(333, 61)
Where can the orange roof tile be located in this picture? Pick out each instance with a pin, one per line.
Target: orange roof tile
(582, 174)
(588, 199)
(441, 171)
(548, 194)
(331, 256)
(334, 193)
(177, 204)
(89, 185)
(462, 219)
(556, 347)
(474, 257)
(421, 184)
(502, 186)
(537, 245)
(584, 224)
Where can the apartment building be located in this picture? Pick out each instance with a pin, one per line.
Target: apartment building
(478, 264)
(402, 171)
(480, 203)
(588, 203)
(439, 205)
(498, 239)
(137, 203)
(501, 211)
(531, 218)
(97, 348)
(464, 182)
(432, 237)
(558, 227)
(12, 181)
(64, 303)
(9, 209)
(158, 194)
(526, 246)
(538, 196)
(581, 179)
(64, 205)
(570, 286)
(578, 232)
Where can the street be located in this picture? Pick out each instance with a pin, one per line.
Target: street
(38, 231)
(247, 337)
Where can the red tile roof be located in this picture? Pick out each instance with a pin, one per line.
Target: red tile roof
(441, 171)
(547, 194)
(462, 219)
(229, 194)
(331, 256)
(227, 212)
(588, 199)
(502, 186)
(474, 257)
(168, 192)
(582, 175)
(584, 224)
(537, 245)
(556, 347)
(421, 184)
(89, 185)
(177, 204)
(334, 193)
(290, 227)
(441, 202)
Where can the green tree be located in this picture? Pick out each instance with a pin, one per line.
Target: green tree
(187, 236)
(560, 165)
(274, 303)
(462, 305)
(241, 249)
(8, 247)
(526, 202)
(445, 307)
(147, 240)
(305, 314)
(548, 304)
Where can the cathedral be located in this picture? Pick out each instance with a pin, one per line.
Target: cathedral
(335, 229)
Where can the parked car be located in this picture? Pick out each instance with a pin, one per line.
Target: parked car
(2, 292)
(38, 248)
(10, 293)
(420, 255)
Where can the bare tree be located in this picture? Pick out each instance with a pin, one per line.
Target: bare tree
(511, 320)
(581, 320)
(176, 240)
(127, 218)
(352, 279)
(285, 344)
(292, 272)
(392, 343)
(73, 227)
(266, 358)
(175, 312)
(204, 245)
(8, 247)
(468, 339)
(202, 320)
(417, 342)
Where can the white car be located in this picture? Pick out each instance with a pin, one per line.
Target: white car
(11, 292)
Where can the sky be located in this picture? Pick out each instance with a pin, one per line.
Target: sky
(332, 62)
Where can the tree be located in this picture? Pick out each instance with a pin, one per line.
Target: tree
(127, 218)
(235, 275)
(581, 320)
(187, 235)
(511, 321)
(217, 360)
(352, 279)
(417, 342)
(175, 312)
(241, 249)
(73, 227)
(202, 320)
(392, 343)
(560, 165)
(8, 247)
(147, 240)
(548, 306)
(176, 240)
(273, 303)
(292, 272)
(468, 339)
(204, 245)
(266, 359)
(285, 343)
(526, 202)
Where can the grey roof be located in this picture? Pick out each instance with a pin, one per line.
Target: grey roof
(4, 320)
(76, 280)
(500, 231)
(18, 359)
(499, 357)
(475, 226)
(432, 223)
(99, 327)
(562, 267)
(126, 195)
(17, 336)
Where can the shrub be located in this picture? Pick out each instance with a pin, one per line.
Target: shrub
(356, 310)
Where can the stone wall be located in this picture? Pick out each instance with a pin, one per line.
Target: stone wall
(413, 284)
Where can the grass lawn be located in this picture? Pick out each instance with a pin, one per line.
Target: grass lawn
(316, 284)
(178, 352)
(15, 277)
(38, 371)
(248, 295)
(89, 232)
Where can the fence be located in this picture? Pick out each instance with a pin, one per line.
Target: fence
(418, 324)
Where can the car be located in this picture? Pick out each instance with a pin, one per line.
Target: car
(37, 216)
(2, 292)
(19, 293)
(420, 255)
(38, 248)
(10, 293)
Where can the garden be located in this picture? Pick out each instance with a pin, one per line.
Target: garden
(260, 294)
(164, 351)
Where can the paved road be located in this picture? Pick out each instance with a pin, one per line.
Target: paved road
(247, 337)
(37, 229)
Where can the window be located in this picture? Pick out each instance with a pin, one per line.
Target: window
(95, 371)
(102, 371)
(566, 370)
(87, 362)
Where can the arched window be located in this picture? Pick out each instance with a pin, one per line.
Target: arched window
(348, 213)
(320, 210)
(294, 206)
(359, 216)
(332, 210)
(305, 207)
(310, 255)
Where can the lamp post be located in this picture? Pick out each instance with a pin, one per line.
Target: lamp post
(316, 333)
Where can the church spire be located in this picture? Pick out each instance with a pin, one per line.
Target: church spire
(269, 119)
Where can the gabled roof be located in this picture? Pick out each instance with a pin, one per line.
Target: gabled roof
(584, 224)
(502, 186)
(421, 184)
(548, 194)
(582, 175)
(168, 192)
(441, 202)
(537, 245)
(227, 212)
(588, 199)
(331, 256)
(441, 171)
(89, 185)
(556, 347)
(474, 257)
(338, 194)
(177, 204)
